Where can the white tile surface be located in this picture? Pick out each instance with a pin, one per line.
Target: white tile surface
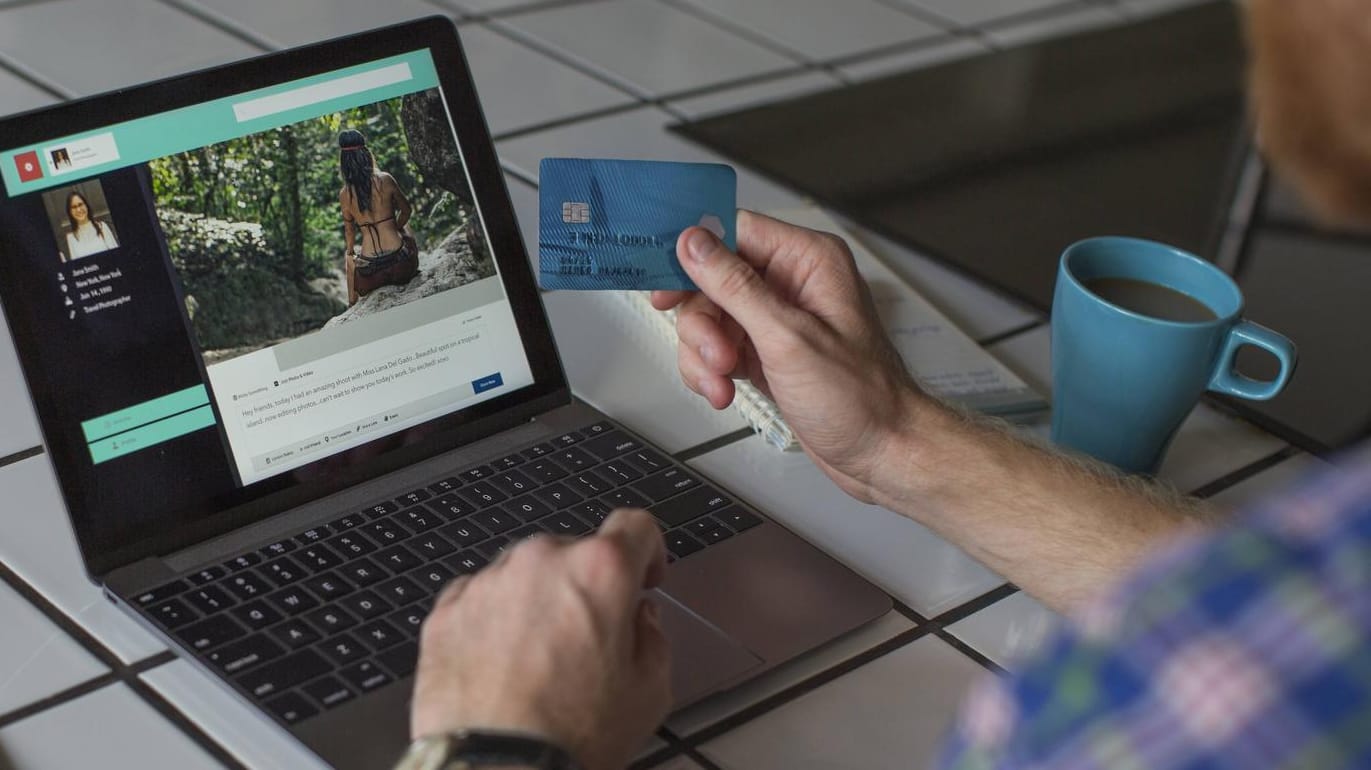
(904, 558)
(17, 95)
(489, 6)
(971, 12)
(109, 728)
(654, 47)
(37, 659)
(819, 30)
(618, 363)
(1009, 630)
(891, 713)
(305, 21)
(755, 94)
(1208, 446)
(520, 87)
(1273, 482)
(18, 424)
(36, 542)
(919, 58)
(119, 44)
(715, 708)
(242, 731)
(641, 134)
(1059, 25)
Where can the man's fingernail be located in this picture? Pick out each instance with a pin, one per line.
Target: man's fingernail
(700, 244)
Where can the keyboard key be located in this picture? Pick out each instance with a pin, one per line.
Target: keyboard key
(343, 649)
(243, 562)
(620, 472)
(327, 692)
(292, 601)
(647, 460)
(738, 519)
(430, 546)
(575, 460)
(283, 571)
(314, 535)
(284, 673)
(451, 507)
(668, 483)
(492, 547)
(362, 572)
(350, 521)
(408, 621)
(625, 498)
(295, 634)
(699, 527)
(207, 575)
(209, 599)
(386, 531)
(328, 586)
(440, 488)
(400, 660)
(525, 531)
(508, 461)
(365, 676)
(318, 557)
(482, 494)
(278, 548)
(564, 523)
(246, 585)
(466, 562)
(379, 635)
(464, 533)
(330, 620)
(567, 439)
(257, 615)
(715, 534)
(352, 544)
(527, 508)
(544, 471)
(291, 708)
(512, 483)
(431, 577)
(477, 473)
(495, 521)
(557, 496)
(211, 632)
(413, 498)
(419, 519)
(380, 509)
(589, 484)
(171, 614)
(681, 544)
(365, 605)
(397, 559)
(591, 511)
(610, 445)
(691, 505)
(541, 450)
(399, 590)
(598, 429)
(244, 654)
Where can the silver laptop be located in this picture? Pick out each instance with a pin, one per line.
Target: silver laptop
(278, 435)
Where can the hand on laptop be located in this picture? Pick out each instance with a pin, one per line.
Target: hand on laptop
(556, 639)
(791, 313)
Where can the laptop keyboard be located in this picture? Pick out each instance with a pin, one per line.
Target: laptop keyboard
(310, 622)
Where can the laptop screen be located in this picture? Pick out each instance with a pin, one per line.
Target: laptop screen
(239, 295)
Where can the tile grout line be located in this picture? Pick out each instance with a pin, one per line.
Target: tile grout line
(119, 671)
(34, 78)
(999, 337)
(21, 455)
(705, 447)
(1255, 468)
(686, 749)
(737, 30)
(224, 24)
(973, 606)
(971, 652)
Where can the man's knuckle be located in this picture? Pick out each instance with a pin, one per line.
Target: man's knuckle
(737, 280)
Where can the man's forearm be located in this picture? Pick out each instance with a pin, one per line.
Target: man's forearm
(1059, 527)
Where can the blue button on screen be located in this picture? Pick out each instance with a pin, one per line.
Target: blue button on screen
(489, 382)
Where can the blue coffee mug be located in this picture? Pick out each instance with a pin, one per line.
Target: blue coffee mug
(1123, 382)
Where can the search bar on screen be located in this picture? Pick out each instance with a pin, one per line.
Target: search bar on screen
(306, 96)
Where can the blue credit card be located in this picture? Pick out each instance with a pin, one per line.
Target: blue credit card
(613, 224)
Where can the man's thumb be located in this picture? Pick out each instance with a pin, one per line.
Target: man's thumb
(729, 281)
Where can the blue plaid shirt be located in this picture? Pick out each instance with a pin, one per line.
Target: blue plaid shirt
(1243, 649)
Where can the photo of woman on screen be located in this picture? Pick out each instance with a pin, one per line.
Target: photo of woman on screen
(373, 203)
(87, 235)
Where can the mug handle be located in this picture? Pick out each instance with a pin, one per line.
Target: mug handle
(1227, 380)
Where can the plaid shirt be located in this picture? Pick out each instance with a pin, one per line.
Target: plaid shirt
(1243, 649)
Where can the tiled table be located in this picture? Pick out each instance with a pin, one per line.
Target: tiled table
(598, 78)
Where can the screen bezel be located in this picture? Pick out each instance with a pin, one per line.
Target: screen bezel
(255, 502)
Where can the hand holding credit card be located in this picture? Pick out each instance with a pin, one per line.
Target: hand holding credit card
(613, 224)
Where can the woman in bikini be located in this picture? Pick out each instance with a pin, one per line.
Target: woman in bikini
(375, 207)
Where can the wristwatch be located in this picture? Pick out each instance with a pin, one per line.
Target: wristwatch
(485, 749)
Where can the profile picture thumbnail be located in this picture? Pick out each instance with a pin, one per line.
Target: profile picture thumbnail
(80, 220)
(61, 159)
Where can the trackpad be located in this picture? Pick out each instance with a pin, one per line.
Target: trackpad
(703, 658)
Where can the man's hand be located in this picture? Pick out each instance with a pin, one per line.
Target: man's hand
(791, 313)
(555, 639)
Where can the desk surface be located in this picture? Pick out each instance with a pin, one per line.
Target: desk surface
(575, 78)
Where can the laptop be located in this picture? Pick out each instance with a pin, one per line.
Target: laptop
(274, 454)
